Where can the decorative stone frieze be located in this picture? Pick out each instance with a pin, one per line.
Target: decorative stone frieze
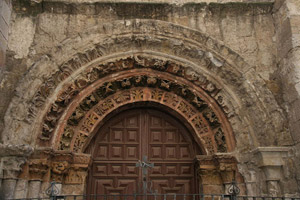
(59, 166)
(95, 102)
(112, 86)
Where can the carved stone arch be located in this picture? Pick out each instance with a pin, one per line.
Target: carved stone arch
(155, 105)
(95, 102)
(237, 82)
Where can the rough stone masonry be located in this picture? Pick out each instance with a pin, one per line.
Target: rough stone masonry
(233, 67)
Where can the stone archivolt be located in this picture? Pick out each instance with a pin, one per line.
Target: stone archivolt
(125, 81)
(210, 60)
(94, 73)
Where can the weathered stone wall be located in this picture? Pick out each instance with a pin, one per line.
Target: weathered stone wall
(263, 34)
(287, 22)
(37, 28)
(5, 12)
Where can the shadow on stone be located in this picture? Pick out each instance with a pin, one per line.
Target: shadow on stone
(1, 194)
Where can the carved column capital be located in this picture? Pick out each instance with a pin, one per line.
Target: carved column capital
(12, 157)
(12, 166)
(38, 168)
(227, 167)
(210, 179)
(206, 170)
(76, 175)
(271, 160)
(78, 170)
(59, 169)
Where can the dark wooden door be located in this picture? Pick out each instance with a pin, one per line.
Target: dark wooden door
(126, 138)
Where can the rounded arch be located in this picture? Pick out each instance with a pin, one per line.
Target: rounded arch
(239, 88)
(105, 95)
(176, 117)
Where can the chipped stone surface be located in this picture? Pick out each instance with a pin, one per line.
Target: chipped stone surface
(243, 55)
(20, 45)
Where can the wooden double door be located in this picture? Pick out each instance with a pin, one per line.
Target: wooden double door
(126, 138)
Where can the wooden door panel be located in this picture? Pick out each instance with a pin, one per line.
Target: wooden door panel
(173, 186)
(126, 139)
(115, 186)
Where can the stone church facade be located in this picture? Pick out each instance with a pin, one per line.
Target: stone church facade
(208, 90)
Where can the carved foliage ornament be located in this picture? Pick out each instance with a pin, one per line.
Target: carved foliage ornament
(64, 167)
(96, 72)
(136, 94)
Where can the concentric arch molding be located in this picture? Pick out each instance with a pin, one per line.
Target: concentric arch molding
(92, 105)
(238, 85)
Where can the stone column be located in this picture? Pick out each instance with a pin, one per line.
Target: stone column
(21, 189)
(12, 158)
(227, 167)
(9, 186)
(37, 169)
(210, 179)
(251, 184)
(271, 162)
(76, 177)
(11, 169)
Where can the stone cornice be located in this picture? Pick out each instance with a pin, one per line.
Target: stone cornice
(138, 8)
(178, 2)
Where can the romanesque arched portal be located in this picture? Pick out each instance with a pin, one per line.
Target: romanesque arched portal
(128, 64)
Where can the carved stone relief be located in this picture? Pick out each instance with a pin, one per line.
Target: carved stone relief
(92, 74)
(136, 95)
(140, 85)
(101, 101)
(217, 170)
(63, 167)
(38, 168)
